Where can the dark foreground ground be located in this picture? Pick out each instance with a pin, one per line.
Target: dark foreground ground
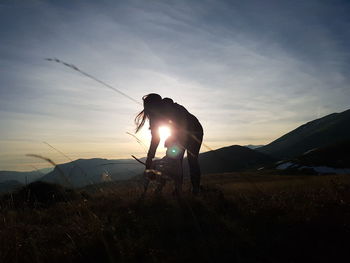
(238, 218)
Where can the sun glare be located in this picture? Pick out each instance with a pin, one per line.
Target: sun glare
(164, 132)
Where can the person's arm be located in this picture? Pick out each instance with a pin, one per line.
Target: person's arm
(154, 145)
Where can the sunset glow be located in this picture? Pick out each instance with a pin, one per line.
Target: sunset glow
(229, 64)
(164, 132)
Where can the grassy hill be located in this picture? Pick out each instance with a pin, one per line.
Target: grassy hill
(240, 217)
(330, 129)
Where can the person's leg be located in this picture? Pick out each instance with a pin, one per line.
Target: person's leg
(178, 177)
(175, 154)
(193, 146)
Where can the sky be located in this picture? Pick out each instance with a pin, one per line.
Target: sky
(250, 71)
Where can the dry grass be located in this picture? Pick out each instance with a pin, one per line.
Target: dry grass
(238, 218)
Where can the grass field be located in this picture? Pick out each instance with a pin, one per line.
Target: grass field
(247, 217)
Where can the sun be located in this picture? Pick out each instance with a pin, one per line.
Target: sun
(164, 132)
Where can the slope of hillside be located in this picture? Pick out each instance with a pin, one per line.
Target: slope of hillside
(335, 155)
(252, 146)
(230, 159)
(331, 159)
(317, 133)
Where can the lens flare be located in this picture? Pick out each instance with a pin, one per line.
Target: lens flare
(174, 152)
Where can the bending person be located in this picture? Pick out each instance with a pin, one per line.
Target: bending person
(186, 132)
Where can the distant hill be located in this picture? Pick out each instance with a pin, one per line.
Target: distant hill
(9, 186)
(230, 159)
(83, 172)
(22, 177)
(328, 130)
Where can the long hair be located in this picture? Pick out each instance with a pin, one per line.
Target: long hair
(151, 102)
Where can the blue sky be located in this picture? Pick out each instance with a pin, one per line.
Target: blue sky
(249, 70)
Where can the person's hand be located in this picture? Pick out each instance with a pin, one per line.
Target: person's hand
(148, 163)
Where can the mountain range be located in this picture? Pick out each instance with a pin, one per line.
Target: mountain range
(322, 142)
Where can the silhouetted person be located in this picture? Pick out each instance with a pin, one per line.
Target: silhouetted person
(186, 132)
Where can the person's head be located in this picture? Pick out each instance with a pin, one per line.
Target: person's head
(152, 105)
(167, 101)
